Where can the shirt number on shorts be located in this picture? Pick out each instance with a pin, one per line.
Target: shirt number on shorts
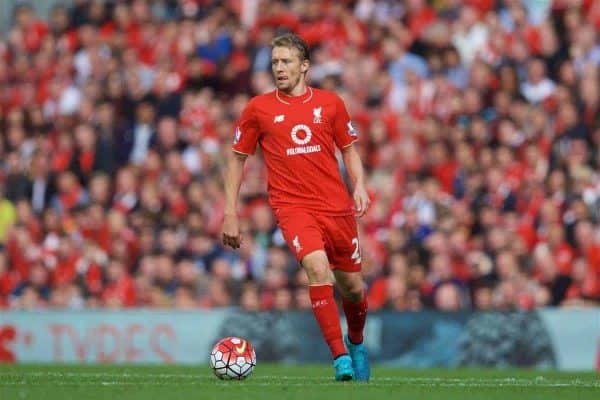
(356, 254)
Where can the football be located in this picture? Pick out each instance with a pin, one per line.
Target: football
(232, 358)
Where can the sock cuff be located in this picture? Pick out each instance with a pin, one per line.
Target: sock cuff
(320, 291)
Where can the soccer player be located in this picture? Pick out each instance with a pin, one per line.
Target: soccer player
(298, 129)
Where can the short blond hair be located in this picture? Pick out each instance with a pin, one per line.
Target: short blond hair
(293, 41)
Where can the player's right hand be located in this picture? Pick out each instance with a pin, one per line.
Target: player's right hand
(231, 232)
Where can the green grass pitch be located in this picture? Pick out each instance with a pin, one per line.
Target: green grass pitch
(272, 381)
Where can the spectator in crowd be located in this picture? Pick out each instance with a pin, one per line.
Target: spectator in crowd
(478, 123)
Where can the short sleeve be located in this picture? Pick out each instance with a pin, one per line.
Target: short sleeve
(344, 132)
(246, 132)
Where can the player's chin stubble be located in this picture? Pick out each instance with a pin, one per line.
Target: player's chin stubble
(287, 86)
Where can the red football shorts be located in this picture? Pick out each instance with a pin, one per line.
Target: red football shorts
(306, 232)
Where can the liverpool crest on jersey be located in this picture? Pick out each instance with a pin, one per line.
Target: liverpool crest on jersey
(317, 115)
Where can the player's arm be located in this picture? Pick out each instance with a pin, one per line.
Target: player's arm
(356, 172)
(345, 135)
(233, 181)
(244, 144)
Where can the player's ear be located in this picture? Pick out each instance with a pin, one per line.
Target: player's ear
(304, 65)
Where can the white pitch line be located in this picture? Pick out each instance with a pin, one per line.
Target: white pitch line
(272, 380)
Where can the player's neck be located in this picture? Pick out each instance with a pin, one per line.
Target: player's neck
(303, 96)
(299, 90)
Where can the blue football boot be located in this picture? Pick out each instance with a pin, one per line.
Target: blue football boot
(343, 368)
(360, 361)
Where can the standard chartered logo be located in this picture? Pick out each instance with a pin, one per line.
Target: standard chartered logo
(301, 127)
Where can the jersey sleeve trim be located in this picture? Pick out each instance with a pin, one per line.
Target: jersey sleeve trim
(241, 152)
(350, 144)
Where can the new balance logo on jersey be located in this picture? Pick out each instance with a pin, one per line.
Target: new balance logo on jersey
(317, 115)
(296, 243)
(278, 118)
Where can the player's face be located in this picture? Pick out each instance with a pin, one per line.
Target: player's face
(288, 69)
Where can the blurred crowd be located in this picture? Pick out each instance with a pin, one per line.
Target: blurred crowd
(479, 127)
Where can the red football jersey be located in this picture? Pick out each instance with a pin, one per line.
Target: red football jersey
(298, 136)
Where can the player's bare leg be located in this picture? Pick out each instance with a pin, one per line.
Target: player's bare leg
(325, 310)
(354, 301)
(350, 284)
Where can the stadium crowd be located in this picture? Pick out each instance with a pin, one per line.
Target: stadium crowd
(479, 127)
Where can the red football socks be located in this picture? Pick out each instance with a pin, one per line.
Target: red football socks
(326, 313)
(356, 315)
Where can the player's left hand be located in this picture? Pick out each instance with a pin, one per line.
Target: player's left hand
(231, 235)
(361, 200)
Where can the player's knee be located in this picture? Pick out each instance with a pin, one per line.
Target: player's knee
(355, 293)
(318, 273)
(351, 286)
(316, 266)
